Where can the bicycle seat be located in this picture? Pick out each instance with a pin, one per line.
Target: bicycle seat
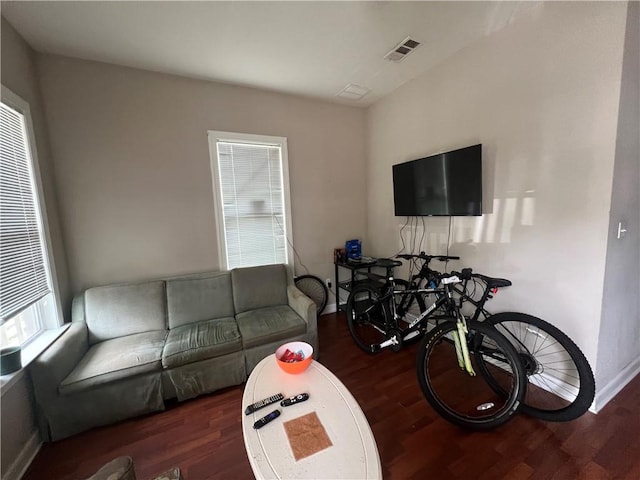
(388, 263)
(493, 282)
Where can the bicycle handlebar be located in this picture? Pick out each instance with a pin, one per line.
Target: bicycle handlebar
(428, 258)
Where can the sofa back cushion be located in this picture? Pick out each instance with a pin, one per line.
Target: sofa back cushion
(258, 287)
(198, 298)
(119, 310)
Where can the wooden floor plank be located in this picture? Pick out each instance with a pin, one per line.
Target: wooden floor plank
(204, 436)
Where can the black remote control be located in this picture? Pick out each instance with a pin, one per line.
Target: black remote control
(263, 403)
(301, 397)
(266, 419)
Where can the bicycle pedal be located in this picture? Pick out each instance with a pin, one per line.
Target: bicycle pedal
(375, 348)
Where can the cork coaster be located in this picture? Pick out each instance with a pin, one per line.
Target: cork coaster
(306, 435)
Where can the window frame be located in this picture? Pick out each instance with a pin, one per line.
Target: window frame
(20, 105)
(251, 139)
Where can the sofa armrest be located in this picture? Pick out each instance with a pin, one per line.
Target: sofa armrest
(303, 306)
(56, 362)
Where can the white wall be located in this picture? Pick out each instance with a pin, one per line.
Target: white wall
(20, 440)
(542, 97)
(619, 341)
(20, 76)
(133, 170)
(20, 437)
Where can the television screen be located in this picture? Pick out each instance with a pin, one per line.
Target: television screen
(447, 184)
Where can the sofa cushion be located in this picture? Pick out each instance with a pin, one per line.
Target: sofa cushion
(120, 310)
(199, 341)
(197, 298)
(258, 287)
(205, 376)
(269, 324)
(116, 359)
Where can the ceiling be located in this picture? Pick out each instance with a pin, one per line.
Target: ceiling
(305, 48)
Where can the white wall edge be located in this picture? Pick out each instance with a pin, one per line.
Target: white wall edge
(613, 387)
(330, 308)
(24, 459)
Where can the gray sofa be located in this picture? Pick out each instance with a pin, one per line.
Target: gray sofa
(130, 347)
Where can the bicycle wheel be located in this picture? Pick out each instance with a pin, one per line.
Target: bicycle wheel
(366, 318)
(561, 384)
(409, 306)
(315, 289)
(462, 399)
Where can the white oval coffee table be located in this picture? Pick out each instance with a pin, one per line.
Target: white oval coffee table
(353, 455)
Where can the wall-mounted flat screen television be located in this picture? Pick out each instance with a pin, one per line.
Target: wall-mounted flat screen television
(447, 184)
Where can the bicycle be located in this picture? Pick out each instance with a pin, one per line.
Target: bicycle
(412, 305)
(314, 288)
(561, 382)
(409, 304)
(448, 357)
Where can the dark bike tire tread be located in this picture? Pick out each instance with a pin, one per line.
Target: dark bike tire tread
(374, 294)
(586, 394)
(514, 401)
(314, 288)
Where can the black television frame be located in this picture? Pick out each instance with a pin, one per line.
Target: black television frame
(445, 184)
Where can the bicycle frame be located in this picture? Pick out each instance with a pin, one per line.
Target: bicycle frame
(440, 301)
(426, 280)
(420, 277)
(444, 296)
(478, 304)
(462, 351)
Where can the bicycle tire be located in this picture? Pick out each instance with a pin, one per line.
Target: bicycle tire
(366, 318)
(561, 383)
(465, 400)
(315, 289)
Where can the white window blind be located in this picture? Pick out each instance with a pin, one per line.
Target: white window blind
(23, 272)
(251, 184)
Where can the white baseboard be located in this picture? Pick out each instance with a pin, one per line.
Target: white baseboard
(613, 387)
(24, 459)
(330, 308)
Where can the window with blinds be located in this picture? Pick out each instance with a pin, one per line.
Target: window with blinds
(251, 202)
(25, 284)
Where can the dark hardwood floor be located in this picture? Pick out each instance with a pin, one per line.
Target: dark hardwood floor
(204, 437)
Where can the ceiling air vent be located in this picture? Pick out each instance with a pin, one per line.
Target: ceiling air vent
(403, 49)
(353, 92)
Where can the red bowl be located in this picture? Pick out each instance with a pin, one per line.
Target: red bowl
(295, 367)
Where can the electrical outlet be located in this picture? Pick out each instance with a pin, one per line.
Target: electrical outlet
(328, 283)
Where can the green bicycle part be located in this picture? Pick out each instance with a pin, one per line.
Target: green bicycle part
(462, 333)
(459, 354)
